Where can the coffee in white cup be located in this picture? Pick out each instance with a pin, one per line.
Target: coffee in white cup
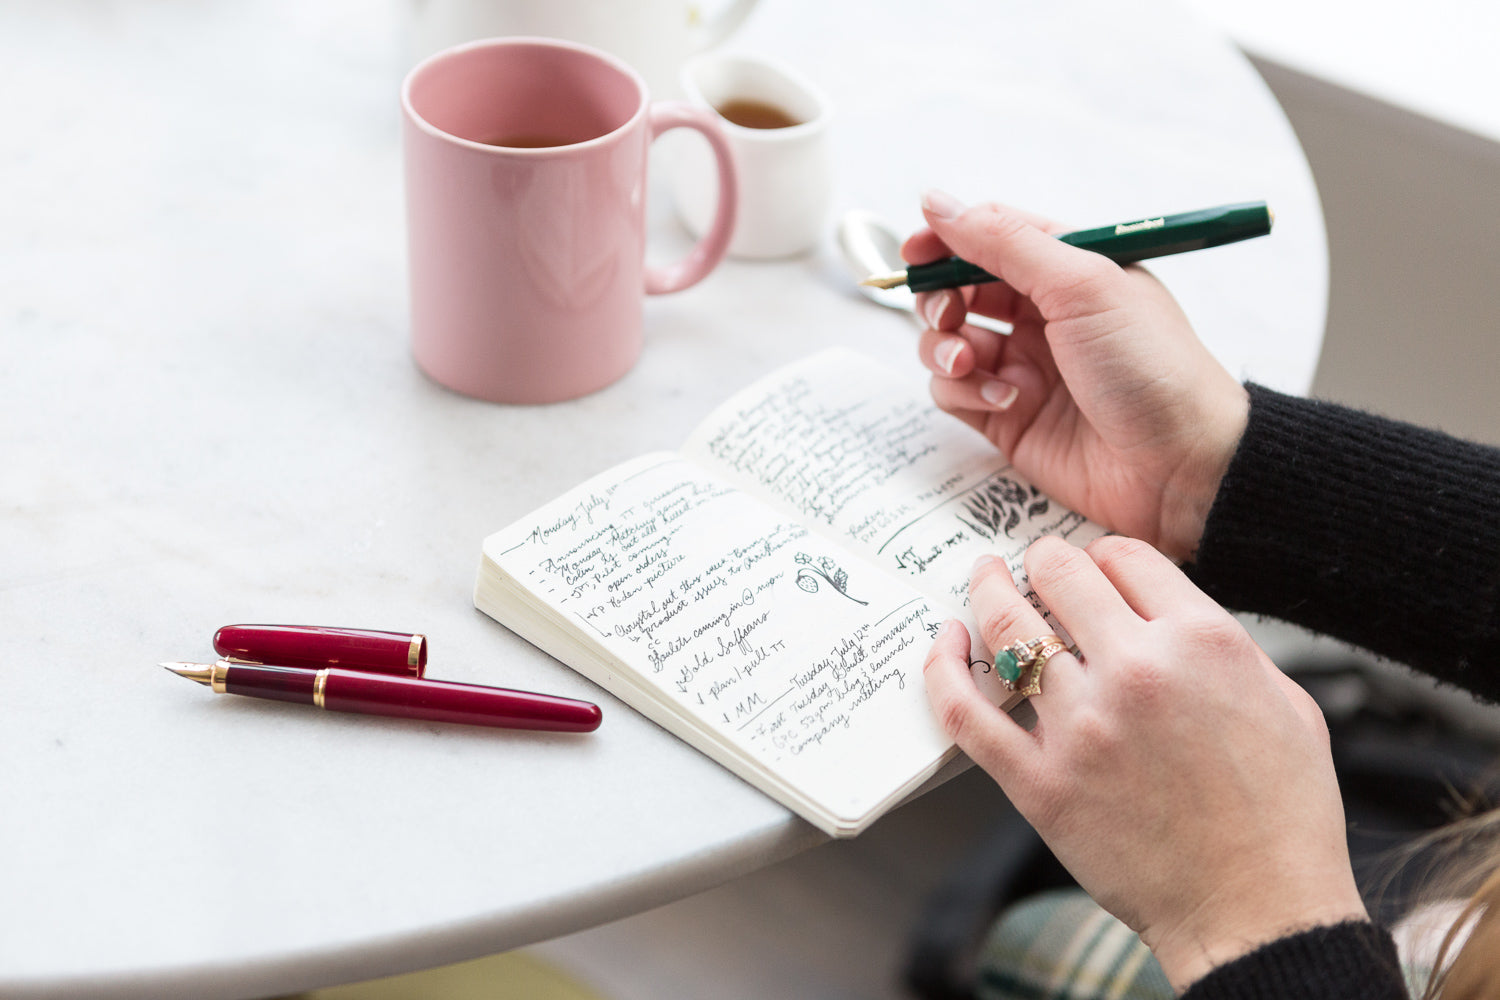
(776, 123)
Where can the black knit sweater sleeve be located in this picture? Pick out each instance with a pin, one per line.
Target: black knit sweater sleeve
(1372, 531)
(1350, 961)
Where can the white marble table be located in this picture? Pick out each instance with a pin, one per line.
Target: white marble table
(1438, 62)
(208, 414)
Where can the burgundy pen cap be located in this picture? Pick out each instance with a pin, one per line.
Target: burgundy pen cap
(315, 647)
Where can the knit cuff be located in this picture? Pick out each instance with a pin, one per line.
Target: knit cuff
(1349, 961)
(1366, 529)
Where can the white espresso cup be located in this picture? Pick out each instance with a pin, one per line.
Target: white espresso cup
(776, 123)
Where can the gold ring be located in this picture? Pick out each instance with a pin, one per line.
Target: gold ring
(1028, 657)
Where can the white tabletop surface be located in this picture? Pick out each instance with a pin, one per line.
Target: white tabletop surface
(208, 415)
(1437, 60)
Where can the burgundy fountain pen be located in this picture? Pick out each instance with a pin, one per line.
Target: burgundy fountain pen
(340, 690)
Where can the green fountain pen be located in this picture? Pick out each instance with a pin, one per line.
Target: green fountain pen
(1123, 243)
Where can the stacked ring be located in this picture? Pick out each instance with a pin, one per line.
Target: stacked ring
(1027, 655)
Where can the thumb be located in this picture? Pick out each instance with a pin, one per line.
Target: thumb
(1061, 280)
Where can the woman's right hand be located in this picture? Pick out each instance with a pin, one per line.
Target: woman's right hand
(1102, 395)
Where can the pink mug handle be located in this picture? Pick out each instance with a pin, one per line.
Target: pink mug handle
(709, 250)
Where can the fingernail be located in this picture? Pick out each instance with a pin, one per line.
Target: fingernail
(942, 204)
(933, 306)
(1000, 395)
(947, 353)
(944, 634)
(980, 564)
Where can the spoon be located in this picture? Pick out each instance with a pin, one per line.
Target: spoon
(871, 246)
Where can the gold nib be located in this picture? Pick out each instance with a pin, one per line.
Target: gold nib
(203, 673)
(885, 280)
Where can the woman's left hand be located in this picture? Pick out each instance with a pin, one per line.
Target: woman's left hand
(1182, 778)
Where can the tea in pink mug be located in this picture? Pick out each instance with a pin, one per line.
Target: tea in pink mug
(526, 196)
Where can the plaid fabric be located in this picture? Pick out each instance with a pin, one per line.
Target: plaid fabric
(1061, 946)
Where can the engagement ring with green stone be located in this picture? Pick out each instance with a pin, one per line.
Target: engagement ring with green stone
(1028, 657)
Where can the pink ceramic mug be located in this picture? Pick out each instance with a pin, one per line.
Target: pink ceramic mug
(526, 198)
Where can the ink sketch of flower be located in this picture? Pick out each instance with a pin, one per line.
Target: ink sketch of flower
(830, 571)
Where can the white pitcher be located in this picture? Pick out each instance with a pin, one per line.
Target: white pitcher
(654, 36)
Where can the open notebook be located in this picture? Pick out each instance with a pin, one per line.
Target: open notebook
(768, 592)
